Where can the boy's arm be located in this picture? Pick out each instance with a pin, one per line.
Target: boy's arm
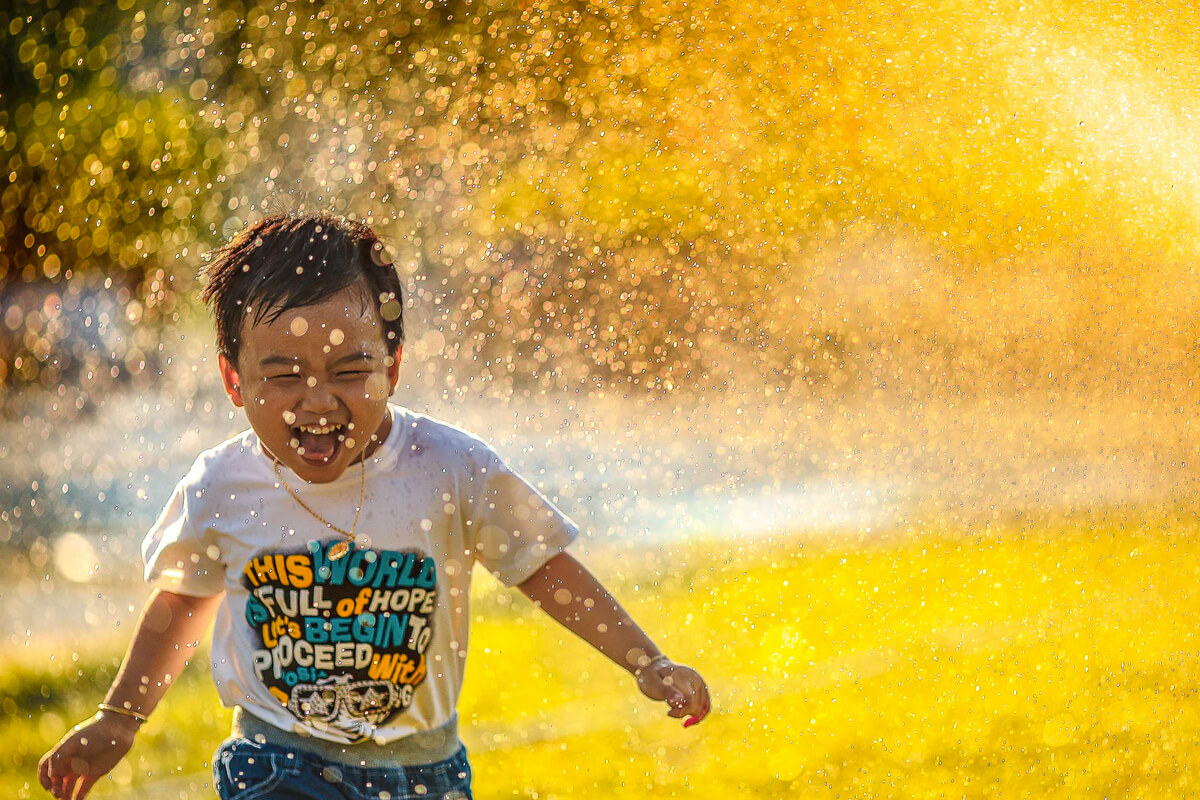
(163, 640)
(566, 591)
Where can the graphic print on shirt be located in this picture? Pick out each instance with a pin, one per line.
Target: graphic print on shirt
(342, 642)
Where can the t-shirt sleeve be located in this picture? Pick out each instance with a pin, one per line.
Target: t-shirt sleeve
(517, 530)
(178, 557)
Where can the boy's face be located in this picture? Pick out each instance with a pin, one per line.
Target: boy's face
(315, 383)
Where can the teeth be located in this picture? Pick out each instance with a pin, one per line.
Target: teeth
(319, 428)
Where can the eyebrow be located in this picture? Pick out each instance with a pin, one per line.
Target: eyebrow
(285, 361)
(362, 355)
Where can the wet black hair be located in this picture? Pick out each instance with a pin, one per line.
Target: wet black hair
(288, 261)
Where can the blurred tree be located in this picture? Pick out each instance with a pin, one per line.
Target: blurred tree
(593, 189)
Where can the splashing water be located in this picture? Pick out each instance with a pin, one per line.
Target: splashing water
(784, 267)
(743, 279)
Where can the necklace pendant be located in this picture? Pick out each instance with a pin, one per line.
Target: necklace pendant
(339, 550)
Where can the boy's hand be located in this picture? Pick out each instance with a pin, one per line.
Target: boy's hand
(86, 754)
(680, 687)
(164, 639)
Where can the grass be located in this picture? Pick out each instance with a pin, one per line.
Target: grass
(1049, 661)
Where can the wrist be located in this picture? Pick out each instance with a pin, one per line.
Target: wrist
(647, 662)
(127, 717)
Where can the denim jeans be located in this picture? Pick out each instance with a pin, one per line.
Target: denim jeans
(246, 770)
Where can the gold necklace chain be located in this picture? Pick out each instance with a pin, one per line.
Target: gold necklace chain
(341, 548)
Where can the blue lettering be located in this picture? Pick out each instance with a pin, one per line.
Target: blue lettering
(406, 577)
(256, 612)
(386, 575)
(326, 571)
(339, 629)
(316, 630)
(428, 577)
(364, 628)
(388, 568)
(363, 564)
(391, 632)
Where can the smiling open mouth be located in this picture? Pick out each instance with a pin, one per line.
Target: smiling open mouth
(318, 444)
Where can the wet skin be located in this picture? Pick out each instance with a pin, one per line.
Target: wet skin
(319, 367)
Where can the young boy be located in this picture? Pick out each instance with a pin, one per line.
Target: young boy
(333, 544)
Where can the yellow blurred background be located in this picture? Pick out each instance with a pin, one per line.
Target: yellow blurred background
(869, 325)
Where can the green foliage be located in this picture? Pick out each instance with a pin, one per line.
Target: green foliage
(633, 194)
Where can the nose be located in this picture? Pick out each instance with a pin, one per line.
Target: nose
(319, 398)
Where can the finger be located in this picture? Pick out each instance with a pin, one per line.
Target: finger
(84, 787)
(677, 703)
(55, 767)
(58, 768)
(44, 772)
(67, 788)
(701, 708)
(691, 708)
(675, 695)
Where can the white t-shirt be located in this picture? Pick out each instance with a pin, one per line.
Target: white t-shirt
(371, 646)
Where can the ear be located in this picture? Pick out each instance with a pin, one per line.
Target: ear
(394, 370)
(233, 383)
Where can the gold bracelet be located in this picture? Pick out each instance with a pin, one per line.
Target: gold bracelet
(637, 673)
(128, 712)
